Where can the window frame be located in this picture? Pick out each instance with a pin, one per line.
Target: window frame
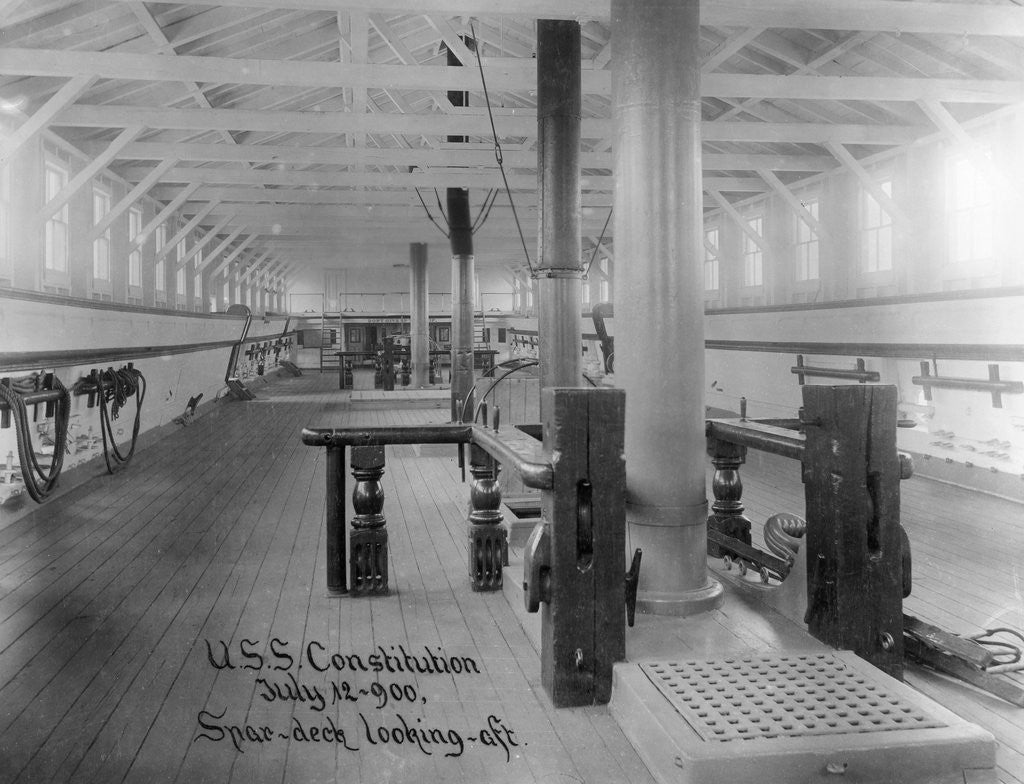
(753, 254)
(807, 243)
(57, 225)
(712, 261)
(102, 272)
(876, 236)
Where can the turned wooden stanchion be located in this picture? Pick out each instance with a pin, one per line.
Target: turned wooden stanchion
(488, 539)
(727, 509)
(369, 538)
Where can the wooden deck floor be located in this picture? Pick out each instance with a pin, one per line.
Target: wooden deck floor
(170, 623)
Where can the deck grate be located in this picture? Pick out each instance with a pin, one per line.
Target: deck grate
(743, 698)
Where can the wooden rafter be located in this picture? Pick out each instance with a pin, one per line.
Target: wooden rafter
(912, 16)
(131, 198)
(792, 201)
(43, 116)
(93, 168)
(870, 184)
(504, 74)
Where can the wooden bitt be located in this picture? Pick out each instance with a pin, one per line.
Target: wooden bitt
(369, 538)
(727, 509)
(851, 475)
(488, 539)
(583, 622)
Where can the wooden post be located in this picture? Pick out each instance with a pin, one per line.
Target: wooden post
(488, 539)
(337, 582)
(851, 474)
(583, 618)
(727, 510)
(369, 537)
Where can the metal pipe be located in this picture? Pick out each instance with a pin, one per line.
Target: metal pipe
(559, 271)
(419, 308)
(656, 110)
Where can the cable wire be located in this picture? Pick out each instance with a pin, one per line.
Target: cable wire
(498, 154)
(433, 220)
(597, 247)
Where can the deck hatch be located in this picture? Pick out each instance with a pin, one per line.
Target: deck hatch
(770, 696)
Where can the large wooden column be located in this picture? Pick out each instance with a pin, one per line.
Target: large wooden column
(460, 234)
(559, 272)
(659, 314)
(419, 307)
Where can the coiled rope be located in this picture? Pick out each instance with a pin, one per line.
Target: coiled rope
(39, 481)
(115, 387)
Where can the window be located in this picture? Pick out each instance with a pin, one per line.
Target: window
(100, 245)
(197, 279)
(529, 294)
(753, 256)
(517, 294)
(807, 244)
(226, 293)
(711, 259)
(970, 205)
(135, 257)
(585, 293)
(179, 277)
(877, 225)
(56, 178)
(160, 283)
(604, 288)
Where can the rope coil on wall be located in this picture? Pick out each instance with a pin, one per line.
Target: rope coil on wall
(114, 388)
(39, 481)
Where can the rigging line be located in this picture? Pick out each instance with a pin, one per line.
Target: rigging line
(593, 255)
(437, 197)
(427, 210)
(485, 209)
(498, 155)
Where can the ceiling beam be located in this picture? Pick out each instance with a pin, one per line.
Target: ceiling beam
(728, 47)
(93, 168)
(791, 199)
(184, 232)
(910, 16)
(133, 196)
(740, 221)
(870, 184)
(467, 123)
(508, 74)
(163, 215)
(44, 115)
(374, 156)
(242, 193)
(456, 177)
(209, 257)
(205, 240)
(233, 255)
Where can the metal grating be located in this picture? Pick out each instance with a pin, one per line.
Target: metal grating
(743, 698)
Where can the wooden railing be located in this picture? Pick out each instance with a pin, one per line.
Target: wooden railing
(574, 571)
(845, 441)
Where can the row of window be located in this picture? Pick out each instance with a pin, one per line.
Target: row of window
(186, 256)
(970, 207)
